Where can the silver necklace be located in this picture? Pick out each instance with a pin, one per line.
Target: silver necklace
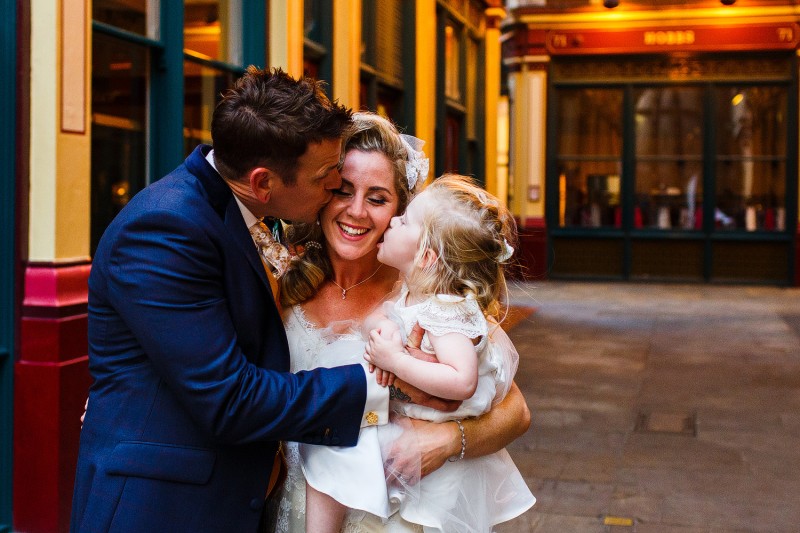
(344, 291)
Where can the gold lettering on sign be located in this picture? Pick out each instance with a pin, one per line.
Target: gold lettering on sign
(785, 35)
(668, 37)
(559, 40)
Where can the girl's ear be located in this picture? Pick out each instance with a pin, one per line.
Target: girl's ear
(428, 258)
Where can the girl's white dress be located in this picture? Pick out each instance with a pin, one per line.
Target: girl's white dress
(469, 495)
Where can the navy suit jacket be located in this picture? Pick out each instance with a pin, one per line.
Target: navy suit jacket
(190, 364)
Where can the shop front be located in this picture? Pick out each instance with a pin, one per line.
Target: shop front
(670, 149)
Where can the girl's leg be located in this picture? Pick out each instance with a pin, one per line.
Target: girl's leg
(323, 513)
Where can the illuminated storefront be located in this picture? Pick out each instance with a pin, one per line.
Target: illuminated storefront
(668, 140)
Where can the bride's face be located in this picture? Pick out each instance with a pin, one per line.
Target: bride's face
(354, 220)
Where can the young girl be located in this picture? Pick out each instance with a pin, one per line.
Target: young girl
(450, 247)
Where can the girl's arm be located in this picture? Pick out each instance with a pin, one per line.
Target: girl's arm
(454, 377)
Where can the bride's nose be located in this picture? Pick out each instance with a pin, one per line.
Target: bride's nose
(357, 207)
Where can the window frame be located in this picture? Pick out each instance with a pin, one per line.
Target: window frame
(8, 235)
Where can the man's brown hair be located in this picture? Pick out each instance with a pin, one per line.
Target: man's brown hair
(268, 119)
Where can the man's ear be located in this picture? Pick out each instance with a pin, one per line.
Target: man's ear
(428, 258)
(262, 182)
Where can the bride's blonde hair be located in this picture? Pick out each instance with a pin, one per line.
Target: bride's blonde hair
(311, 267)
(473, 235)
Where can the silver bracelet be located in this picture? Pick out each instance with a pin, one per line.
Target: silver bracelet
(463, 442)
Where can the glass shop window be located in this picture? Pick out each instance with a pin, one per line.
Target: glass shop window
(751, 158)
(382, 58)
(589, 157)
(212, 39)
(669, 158)
(213, 29)
(119, 126)
(134, 16)
(203, 87)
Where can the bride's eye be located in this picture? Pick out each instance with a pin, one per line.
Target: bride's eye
(378, 200)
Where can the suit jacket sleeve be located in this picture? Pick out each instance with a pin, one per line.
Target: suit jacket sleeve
(165, 279)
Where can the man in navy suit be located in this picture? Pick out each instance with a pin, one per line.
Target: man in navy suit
(191, 391)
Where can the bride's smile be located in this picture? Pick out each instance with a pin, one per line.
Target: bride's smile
(355, 219)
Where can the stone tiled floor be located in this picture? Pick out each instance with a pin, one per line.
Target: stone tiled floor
(597, 357)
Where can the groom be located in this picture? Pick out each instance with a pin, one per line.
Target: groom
(187, 350)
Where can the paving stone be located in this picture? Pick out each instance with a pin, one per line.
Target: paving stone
(597, 357)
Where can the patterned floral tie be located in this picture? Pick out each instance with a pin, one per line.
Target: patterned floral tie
(273, 252)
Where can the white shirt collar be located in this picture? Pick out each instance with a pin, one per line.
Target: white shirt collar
(249, 218)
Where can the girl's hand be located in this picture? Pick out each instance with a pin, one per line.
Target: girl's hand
(384, 347)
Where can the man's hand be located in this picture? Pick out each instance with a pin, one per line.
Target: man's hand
(423, 449)
(85, 408)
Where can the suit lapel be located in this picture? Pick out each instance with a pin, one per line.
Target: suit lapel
(222, 201)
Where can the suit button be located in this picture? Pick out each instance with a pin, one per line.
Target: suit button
(256, 503)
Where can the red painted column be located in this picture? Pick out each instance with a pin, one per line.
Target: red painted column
(532, 252)
(51, 382)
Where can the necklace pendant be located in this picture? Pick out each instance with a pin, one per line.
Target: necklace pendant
(344, 294)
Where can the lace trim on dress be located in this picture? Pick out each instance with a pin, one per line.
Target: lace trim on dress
(300, 314)
(444, 313)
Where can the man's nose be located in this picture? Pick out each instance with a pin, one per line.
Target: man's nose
(334, 180)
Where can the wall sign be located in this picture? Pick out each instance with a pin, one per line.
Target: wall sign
(657, 40)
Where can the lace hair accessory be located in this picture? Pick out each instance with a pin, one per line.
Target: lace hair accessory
(506, 253)
(417, 164)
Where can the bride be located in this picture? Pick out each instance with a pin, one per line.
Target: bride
(337, 281)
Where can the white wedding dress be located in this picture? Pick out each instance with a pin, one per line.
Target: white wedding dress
(307, 343)
(468, 496)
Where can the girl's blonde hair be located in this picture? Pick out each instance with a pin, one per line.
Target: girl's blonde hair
(368, 133)
(470, 231)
